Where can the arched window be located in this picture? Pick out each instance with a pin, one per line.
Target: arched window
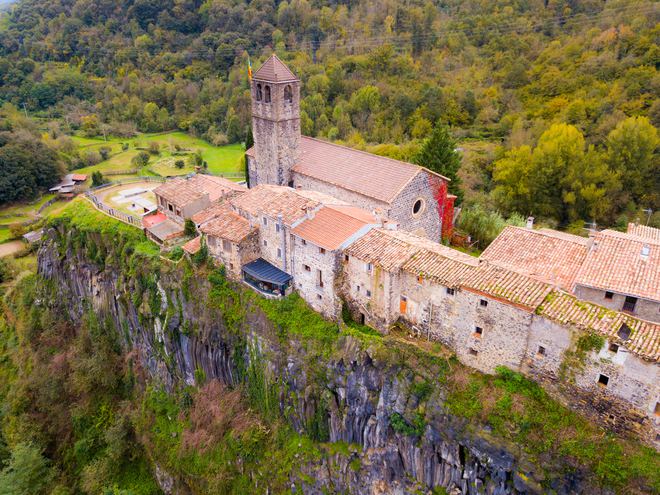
(267, 97)
(288, 94)
(258, 92)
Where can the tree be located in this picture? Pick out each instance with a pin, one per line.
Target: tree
(141, 159)
(98, 179)
(90, 125)
(632, 153)
(189, 227)
(104, 151)
(559, 178)
(28, 472)
(438, 153)
(179, 164)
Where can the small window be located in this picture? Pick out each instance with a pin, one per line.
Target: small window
(279, 252)
(613, 348)
(231, 265)
(259, 92)
(603, 380)
(265, 242)
(418, 207)
(363, 319)
(450, 291)
(170, 207)
(624, 332)
(319, 296)
(478, 332)
(540, 351)
(265, 221)
(178, 212)
(357, 288)
(307, 268)
(304, 242)
(483, 303)
(368, 267)
(368, 293)
(629, 304)
(226, 245)
(657, 409)
(346, 257)
(420, 278)
(267, 94)
(288, 94)
(277, 227)
(609, 295)
(322, 250)
(473, 352)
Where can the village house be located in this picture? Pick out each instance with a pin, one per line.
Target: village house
(414, 197)
(317, 246)
(70, 185)
(622, 272)
(231, 240)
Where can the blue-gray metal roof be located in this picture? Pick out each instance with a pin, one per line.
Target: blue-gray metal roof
(262, 270)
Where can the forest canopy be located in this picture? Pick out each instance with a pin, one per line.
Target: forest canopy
(377, 75)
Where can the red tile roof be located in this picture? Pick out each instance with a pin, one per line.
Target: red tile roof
(367, 174)
(381, 248)
(185, 190)
(273, 201)
(79, 177)
(228, 225)
(568, 310)
(622, 263)
(193, 245)
(216, 209)
(274, 70)
(547, 255)
(650, 233)
(332, 226)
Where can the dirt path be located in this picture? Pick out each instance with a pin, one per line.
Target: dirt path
(10, 248)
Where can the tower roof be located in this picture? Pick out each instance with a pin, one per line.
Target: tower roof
(274, 70)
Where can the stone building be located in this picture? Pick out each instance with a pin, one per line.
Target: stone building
(317, 246)
(408, 194)
(622, 272)
(231, 240)
(180, 199)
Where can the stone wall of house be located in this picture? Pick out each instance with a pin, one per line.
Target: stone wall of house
(310, 266)
(367, 292)
(237, 255)
(644, 309)
(276, 131)
(186, 211)
(427, 222)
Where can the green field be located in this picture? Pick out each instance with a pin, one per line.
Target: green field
(173, 145)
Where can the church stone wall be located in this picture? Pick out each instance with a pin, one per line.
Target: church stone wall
(427, 223)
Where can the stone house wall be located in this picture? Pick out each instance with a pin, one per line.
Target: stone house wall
(237, 255)
(644, 309)
(186, 211)
(367, 292)
(310, 266)
(427, 222)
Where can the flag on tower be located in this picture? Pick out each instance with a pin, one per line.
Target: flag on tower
(249, 69)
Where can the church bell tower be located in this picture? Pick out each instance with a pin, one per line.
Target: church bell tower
(275, 124)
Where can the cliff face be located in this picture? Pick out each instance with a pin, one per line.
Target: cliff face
(350, 391)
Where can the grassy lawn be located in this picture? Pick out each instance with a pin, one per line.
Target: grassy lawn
(22, 212)
(119, 161)
(5, 235)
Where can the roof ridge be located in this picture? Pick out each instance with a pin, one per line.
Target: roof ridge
(546, 233)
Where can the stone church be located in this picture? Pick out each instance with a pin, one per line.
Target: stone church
(413, 197)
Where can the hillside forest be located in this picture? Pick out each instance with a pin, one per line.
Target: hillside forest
(551, 104)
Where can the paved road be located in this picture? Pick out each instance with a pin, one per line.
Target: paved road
(10, 248)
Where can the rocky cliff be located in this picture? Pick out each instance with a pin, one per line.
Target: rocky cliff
(383, 398)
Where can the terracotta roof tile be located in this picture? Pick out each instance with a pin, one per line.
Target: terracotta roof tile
(566, 309)
(193, 245)
(216, 209)
(165, 230)
(622, 263)
(644, 231)
(331, 227)
(547, 255)
(184, 190)
(229, 225)
(274, 70)
(381, 248)
(439, 268)
(506, 285)
(371, 175)
(274, 201)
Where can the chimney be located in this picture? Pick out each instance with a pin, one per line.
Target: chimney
(390, 225)
(530, 222)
